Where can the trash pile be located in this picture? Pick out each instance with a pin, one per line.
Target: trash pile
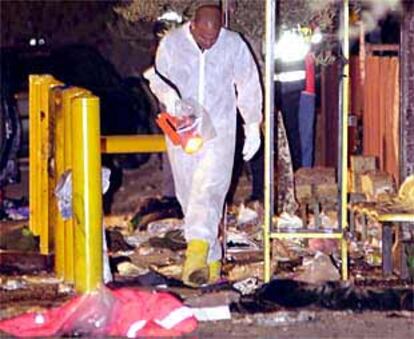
(146, 251)
(14, 209)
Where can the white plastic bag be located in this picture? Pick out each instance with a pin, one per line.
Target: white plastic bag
(193, 125)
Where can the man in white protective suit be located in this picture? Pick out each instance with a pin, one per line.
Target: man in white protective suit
(214, 67)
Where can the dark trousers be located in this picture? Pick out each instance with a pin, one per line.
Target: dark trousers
(256, 167)
(288, 98)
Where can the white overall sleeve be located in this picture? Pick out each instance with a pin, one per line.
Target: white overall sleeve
(166, 94)
(249, 91)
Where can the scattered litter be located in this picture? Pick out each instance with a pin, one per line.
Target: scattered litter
(280, 318)
(116, 241)
(150, 279)
(118, 221)
(246, 215)
(373, 257)
(145, 250)
(327, 246)
(330, 295)
(11, 285)
(14, 209)
(170, 270)
(65, 289)
(162, 226)
(20, 239)
(318, 269)
(128, 269)
(33, 279)
(237, 242)
(282, 251)
(244, 271)
(19, 213)
(213, 299)
(325, 221)
(287, 220)
(173, 240)
(121, 313)
(247, 286)
(137, 239)
(156, 209)
(63, 191)
(212, 313)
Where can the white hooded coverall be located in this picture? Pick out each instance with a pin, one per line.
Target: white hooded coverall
(220, 79)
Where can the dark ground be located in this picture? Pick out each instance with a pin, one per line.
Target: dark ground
(321, 323)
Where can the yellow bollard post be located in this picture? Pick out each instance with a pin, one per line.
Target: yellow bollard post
(34, 153)
(61, 103)
(87, 193)
(40, 158)
(68, 95)
(58, 147)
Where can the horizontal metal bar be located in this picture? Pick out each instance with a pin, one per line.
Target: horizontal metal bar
(396, 217)
(154, 143)
(315, 235)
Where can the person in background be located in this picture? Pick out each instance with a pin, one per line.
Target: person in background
(213, 66)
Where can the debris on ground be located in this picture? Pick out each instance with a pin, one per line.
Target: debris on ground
(213, 313)
(318, 269)
(123, 312)
(280, 318)
(14, 209)
(332, 295)
(156, 209)
(19, 239)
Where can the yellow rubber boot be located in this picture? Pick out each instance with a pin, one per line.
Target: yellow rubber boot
(195, 271)
(214, 270)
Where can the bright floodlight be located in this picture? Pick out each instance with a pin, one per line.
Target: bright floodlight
(171, 16)
(316, 37)
(32, 42)
(291, 47)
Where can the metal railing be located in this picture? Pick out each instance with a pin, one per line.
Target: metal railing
(64, 134)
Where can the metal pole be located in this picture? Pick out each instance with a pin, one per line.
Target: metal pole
(225, 9)
(269, 132)
(87, 193)
(343, 128)
(68, 95)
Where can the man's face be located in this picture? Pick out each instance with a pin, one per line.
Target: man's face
(205, 33)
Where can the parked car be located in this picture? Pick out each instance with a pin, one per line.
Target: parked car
(125, 105)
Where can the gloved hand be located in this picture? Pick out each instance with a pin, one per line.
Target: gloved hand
(252, 140)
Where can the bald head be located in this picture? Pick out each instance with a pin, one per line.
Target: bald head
(206, 26)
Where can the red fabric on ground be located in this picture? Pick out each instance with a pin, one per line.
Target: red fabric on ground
(123, 312)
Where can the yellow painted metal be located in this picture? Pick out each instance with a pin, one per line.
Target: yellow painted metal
(68, 94)
(344, 156)
(133, 144)
(269, 134)
(87, 193)
(40, 158)
(396, 217)
(344, 258)
(304, 235)
(34, 154)
(344, 137)
(57, 170)
(61, 108)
